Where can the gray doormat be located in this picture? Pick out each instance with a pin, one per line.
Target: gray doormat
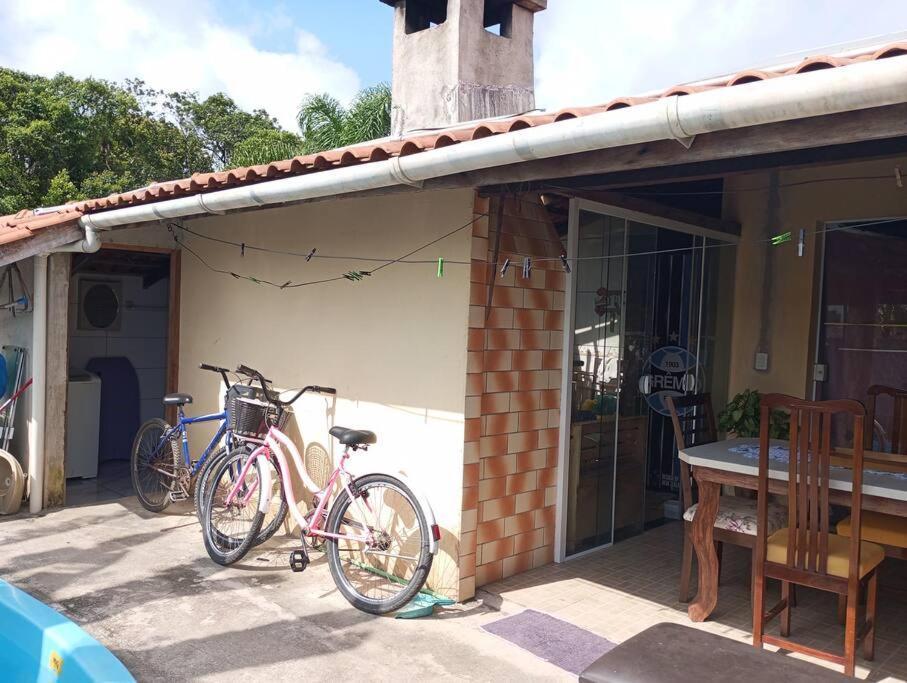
(570, 647)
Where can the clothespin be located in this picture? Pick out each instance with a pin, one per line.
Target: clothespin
(311, 254)
(440, 267)
(801, 244)
(899, 181)
(242, 249)
(780, 239)
(356, 275)
(286, 284)
(527, 267)
(505, 266)
(564, 263)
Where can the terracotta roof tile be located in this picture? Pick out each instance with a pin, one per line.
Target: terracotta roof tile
(25, 223)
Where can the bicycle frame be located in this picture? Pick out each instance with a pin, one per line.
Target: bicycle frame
(272, 445)
(180, 427)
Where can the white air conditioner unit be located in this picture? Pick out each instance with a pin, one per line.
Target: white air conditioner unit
(100, 304)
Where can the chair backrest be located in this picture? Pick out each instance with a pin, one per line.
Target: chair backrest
(808, 479)
(899, 416)
(694, 425)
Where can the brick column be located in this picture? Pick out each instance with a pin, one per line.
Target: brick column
(513, 393)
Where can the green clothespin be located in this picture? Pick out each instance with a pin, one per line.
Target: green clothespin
(356, 275)
(440, 267)
(781, 239)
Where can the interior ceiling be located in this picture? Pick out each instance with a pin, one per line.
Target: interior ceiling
(151, 267)
(699, 196)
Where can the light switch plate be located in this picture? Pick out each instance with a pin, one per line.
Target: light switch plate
(761, 361)
(819, 372)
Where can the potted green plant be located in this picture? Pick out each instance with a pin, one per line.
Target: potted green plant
(741, 417)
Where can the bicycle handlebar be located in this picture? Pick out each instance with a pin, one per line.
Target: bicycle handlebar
(214, 368)
(252, 372)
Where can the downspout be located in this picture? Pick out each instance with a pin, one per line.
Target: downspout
(856, 86)
(38, 389)
(87, 245)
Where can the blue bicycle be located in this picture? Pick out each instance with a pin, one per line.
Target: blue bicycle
(162, 468)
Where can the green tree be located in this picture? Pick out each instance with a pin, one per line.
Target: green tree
(326, 124)
(63, 139)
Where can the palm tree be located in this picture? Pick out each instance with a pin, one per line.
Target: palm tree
(326, 124)
(265, 146)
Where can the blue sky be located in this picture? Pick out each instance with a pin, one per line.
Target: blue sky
(270, 53)
(357, 32)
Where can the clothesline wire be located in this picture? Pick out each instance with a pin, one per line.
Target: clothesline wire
(535, 259)
(353, 275)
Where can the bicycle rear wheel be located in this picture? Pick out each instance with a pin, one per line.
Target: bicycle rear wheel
(230, 529)
(383, 559)
(150, 460)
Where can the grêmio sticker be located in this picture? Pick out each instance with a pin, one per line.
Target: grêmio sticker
(668, 371)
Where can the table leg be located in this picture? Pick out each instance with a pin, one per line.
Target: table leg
(703, 544)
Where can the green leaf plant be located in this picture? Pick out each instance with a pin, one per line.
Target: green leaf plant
(741, 417)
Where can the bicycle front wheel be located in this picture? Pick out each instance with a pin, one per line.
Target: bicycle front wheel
(151, 461)
(382, 558)
(277, 511)
(230, 528)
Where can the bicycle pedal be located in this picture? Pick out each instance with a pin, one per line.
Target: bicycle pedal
(299, 560)
(176, 496)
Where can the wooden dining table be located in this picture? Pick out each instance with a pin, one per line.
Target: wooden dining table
(735, 462)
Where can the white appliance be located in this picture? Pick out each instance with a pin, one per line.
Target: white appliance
(83, 413)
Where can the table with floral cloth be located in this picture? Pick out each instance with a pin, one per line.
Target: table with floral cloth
(735, 462)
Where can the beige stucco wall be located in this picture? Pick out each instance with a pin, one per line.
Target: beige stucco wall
(792, 290)
(394, 345)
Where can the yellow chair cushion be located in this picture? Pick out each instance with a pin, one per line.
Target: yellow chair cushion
(838, 553)
(879, 528)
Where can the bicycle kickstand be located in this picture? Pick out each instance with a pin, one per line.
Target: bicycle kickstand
(299, 559)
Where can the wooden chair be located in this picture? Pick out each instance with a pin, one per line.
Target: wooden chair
(694, 425)
(889, 531)
(805, 553)
(896, 436)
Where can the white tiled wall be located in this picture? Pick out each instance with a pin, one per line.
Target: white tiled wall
(142, 337)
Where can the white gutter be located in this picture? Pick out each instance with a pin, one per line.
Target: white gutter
(857, 86)
(38, 388)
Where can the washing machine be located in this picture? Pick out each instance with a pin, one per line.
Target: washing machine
(83, 413)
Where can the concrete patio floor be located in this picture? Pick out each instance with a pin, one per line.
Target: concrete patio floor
(619, 591)
(142, 585)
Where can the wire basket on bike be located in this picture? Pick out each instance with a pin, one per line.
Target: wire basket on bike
(252, 417)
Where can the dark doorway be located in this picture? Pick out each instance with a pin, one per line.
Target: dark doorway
(120, 359)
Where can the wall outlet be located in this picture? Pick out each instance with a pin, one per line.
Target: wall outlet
(761, 361)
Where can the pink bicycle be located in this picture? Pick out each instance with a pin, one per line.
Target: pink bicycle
(380, 539)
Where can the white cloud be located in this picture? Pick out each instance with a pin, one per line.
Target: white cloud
(590, 51)
(170, 45)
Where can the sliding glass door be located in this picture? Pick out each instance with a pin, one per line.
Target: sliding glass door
(636, 332)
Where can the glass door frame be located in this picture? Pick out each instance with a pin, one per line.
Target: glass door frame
(628, 215)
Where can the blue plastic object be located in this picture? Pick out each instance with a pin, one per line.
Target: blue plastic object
(38, 643)
(423, 605)
(3, 375)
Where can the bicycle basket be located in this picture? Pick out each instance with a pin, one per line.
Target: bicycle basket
(251, 417)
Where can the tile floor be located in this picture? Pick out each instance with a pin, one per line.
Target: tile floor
(113, 481)
(619, 591)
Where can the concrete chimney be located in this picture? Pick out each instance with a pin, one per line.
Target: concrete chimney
(459, 60)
